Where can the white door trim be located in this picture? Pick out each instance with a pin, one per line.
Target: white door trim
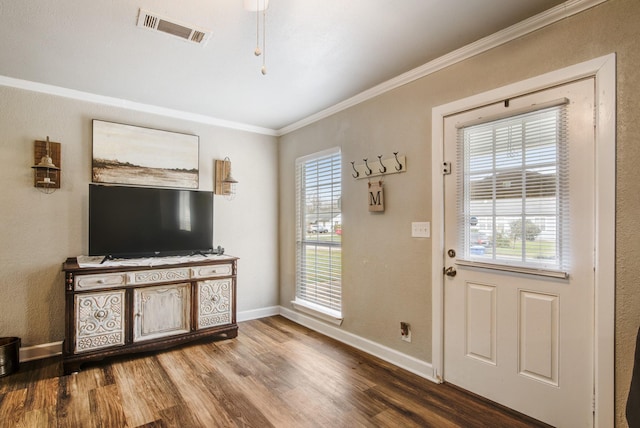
(604, 71)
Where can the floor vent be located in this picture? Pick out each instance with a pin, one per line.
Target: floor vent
(189, 33)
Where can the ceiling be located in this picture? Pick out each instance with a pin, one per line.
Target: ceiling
(318, 52)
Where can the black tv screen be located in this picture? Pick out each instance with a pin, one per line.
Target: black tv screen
(142, 221)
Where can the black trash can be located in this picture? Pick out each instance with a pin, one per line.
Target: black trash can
(9, 355)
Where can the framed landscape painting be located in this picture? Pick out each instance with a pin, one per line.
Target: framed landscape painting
(126, 154)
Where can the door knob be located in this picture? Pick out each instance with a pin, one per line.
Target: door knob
(450, 271)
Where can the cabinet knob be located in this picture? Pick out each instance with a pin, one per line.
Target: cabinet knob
(100, 281)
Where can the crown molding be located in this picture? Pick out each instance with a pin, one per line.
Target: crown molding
(543, 19)
(44, 88)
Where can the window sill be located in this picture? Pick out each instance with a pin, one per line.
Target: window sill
(318, 311)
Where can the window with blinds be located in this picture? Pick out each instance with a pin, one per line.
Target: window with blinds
(319, 232)
(513, 189)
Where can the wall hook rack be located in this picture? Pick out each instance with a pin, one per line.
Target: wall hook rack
(367, 170)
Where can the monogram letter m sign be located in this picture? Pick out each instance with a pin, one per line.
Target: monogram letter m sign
(376, 197)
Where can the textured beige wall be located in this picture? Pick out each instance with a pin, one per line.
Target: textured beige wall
(386, 273)
(38, 232)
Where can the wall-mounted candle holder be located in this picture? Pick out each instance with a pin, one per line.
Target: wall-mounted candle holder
(225, 184)
(46, 168)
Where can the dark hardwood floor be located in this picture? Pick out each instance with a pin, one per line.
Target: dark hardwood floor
(274, 374)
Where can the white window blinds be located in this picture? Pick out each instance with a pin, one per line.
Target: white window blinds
(319, 231)
(514, 190)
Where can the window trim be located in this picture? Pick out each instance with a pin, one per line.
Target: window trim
(317, 310)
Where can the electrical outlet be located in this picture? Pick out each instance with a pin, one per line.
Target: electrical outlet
(405, 331)
(420, 229)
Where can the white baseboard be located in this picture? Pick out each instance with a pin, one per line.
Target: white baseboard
(37, 352)
(258, 313)
(407, 362)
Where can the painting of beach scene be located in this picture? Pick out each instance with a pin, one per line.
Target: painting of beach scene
(126, 154)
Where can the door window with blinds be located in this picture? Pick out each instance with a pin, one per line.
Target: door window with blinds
(319, 232)
(513, 188)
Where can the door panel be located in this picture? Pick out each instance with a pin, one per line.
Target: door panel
(521, 339)
(539, 330)
(481, 322)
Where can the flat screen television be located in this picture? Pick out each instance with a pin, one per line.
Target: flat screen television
(142, 221)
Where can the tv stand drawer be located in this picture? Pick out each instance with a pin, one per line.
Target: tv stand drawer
(212, 271)
(99, 281)
(158, 275)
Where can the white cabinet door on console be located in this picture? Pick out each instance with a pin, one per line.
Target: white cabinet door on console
(160, 311)
(214, 302)
(99, 320)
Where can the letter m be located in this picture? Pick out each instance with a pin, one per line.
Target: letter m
(375, 199)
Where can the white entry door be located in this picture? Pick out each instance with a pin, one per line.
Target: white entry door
(519, 253)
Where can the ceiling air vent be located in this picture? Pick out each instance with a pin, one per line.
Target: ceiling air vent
(189, 33)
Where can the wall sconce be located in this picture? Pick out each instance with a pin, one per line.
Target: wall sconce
(46, 175)
(225, 183)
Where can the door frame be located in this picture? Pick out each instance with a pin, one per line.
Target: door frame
(603, 69)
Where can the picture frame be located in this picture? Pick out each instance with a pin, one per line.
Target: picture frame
(133, 155)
